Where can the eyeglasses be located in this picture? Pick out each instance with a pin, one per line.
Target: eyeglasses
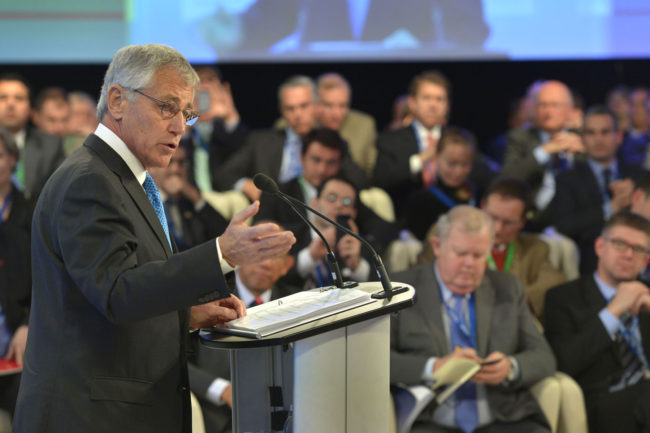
(169, 109)
(621, 246)
(333, 197)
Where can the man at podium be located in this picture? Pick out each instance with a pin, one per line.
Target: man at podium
(463, 310)
(111, 301)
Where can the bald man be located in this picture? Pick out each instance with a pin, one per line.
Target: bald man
(537, 154)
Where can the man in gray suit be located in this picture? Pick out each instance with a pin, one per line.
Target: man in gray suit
(112, 305)
(465, 311)
(41, 153)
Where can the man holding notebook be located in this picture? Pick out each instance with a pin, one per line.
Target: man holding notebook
(463, 310)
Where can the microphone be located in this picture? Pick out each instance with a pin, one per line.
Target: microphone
(266, 184)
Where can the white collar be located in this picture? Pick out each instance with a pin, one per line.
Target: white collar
(119, 146)
(245, 295)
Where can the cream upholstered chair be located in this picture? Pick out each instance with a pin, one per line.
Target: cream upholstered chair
(197, 415)
(379, 201)
(227, 203)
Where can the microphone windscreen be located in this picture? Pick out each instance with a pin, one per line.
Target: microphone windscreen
(265, 183)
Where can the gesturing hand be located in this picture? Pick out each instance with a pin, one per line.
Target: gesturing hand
(241, 244)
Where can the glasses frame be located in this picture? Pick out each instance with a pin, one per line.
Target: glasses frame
(621, 246)
(190, 116)
(333, 197)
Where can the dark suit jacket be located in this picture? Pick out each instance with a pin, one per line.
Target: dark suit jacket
(15, 270)
(221, 146)
(42, 154)
(393, 173)
(109, 318)
(503, 323)
(211, 363)
(582, 346)
(262, 153)
(578, 208)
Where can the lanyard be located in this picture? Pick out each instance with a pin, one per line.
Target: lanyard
(5, 204)
(459, 322)
(444, 197)
(509, 256)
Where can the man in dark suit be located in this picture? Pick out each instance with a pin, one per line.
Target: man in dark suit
(463, 310)
(599, 329)
(110, 314)
(589, 193)
(406, 157)
(276, 153)
(210, 372)
(217, 135)
(538, 154)
(41, 153)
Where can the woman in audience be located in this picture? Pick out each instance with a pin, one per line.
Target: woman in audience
(455, 153)
(15, 276)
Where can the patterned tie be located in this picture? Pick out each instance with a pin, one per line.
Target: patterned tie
(430, 167)
(154, 197)
(466, 414)
(633, 370)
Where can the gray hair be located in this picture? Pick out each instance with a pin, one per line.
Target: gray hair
(297, 81)
(467, 219)
(333, 80)
(134, 66)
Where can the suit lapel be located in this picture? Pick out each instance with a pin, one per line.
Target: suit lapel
(132, 187)
(428, 293)
(484, 307)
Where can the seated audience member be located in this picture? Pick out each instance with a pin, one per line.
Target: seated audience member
(452, 187)
(599, 329)
(466, 311)
(41, 153)
(15, 275)
(590, 192)
(210, 371)
(333, 111)
(277, 153)
(406, 157)
(82, 120)
(191, 219)
(517, 118)
(619, 104)
(323, 153)
(640, 205)
(51, 111)
(637, 136)
(508, 202)
(218, 134)
(539, 153)
(402, 116)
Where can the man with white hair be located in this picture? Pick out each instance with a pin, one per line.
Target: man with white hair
(112, 305)
(466, 311)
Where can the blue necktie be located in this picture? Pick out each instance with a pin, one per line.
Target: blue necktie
(466, 414)
(154, 197)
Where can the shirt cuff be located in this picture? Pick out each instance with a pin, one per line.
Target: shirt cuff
(428, 369)
(239, 185)
(415, 163)
(361, 273)
(610, 322)
(305, 264)
(541, 156)
(199, 205)
(225, 266)
(515, 372)
(216, 389)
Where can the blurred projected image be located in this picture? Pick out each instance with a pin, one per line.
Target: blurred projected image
(242, 29)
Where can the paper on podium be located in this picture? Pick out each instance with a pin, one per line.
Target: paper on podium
(294, 310)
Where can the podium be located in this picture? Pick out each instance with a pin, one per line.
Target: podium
(328, 375)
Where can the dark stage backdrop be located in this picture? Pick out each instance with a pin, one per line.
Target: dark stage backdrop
(481, 94)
